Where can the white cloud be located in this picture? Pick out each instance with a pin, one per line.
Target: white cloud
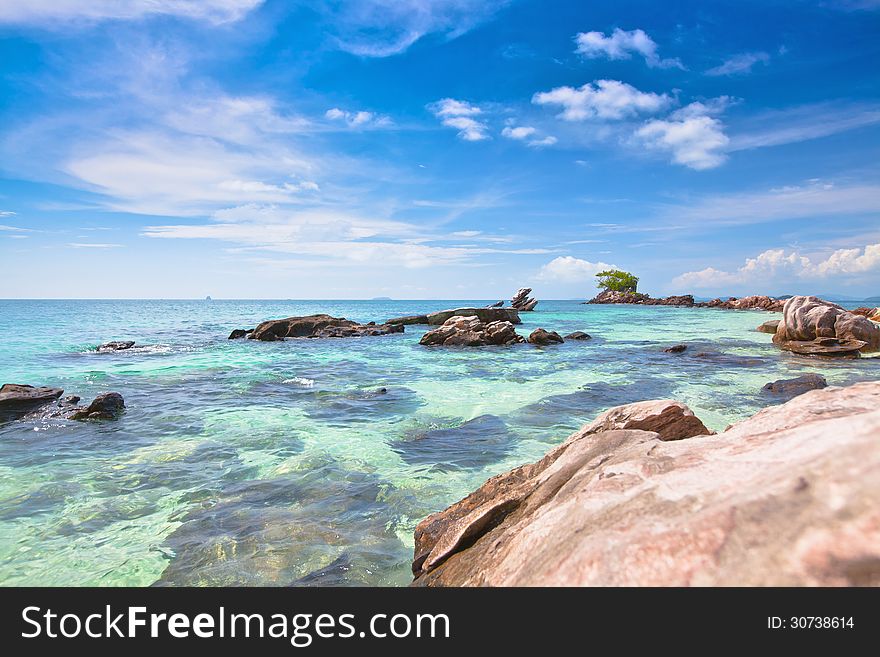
(460, 115)
(13, 229)
(357, 119)
(602, 99)
(58, 11)
(519, 132)
(691, 135)
(621, 45)
(381, 28)
(81, 245)
(568, 269)
(549, 140)
(741, 63)
(776, 265)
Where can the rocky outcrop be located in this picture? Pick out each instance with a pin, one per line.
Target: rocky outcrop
(676, 349)
(471, 332)
(521, 300)
(117, 345)
(17, 400)
(871, 313)
(611, 296)
(497, 304)
(578, 335)
(769, 327)
(754, 302)
(542, 337)
(239, 333)
(789, 497)
(106, 406)
(489, 314)
(789, 388)
(811, 325)
(318, 326)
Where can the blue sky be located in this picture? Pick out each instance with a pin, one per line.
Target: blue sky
(426, 149)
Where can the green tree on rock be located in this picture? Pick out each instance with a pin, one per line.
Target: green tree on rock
(617, 281)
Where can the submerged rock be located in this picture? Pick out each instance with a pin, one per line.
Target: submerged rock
(789, 388)
(769, 327)
(676, 349)
(471, 332)
(541, 337)
(808, 322)
(106, 406)
(578, 335)
(17, 400)
(239, 333)
(617, 506)
(117, 345)
(318, 326)
(472, 444)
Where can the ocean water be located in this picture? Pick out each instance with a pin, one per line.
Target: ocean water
(246, 463)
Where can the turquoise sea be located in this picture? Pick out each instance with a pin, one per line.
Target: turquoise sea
(245, 463)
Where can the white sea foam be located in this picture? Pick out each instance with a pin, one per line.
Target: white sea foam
(300, 381)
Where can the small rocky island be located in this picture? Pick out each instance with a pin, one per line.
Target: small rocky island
(313, 326)
(645, 495)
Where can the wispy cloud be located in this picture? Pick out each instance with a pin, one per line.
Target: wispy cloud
(602, 99)
(358, 118)
(739, 64)
(91, 245)
(621, 44)
(527, 134)
(62, 12)
(381, 28)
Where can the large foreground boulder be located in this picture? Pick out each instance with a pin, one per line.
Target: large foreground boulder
(810, 319)
(789, 497)
(471, 332)
(317, 326)
(17, 400)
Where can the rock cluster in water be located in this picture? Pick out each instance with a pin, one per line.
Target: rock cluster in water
(313, 326)
(521, 300)
(116, 345)
(490, 314)
(543, 337)
(754, 302)
(812, 326)
(471, 331)
(21, 401)
(612, 296)
(642, 497)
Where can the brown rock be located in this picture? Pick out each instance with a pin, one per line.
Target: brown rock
(409, 319)
(676, 349)
(106, 406)
(17, 400)
(769, 327)
(471, 332)
(318, 326)
(792, 387)
(239, 333)
(521, 300)
(541, 337)
(578, 335)
(789, 497)
(483, 314)
(808, 319)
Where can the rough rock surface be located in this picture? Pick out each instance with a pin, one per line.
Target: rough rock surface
(542, 337)
(808, 318)
(408, 319)
(676, 349)
(871, 313)
(117, 345)
(521, 300)
(578, 335)
(769, 327)
(471, 332)
(106, 406)
(484, 314)
(754, 302)
(788, 497)
(240, 333)
(18, 399)
(792, 387)
(318, 326)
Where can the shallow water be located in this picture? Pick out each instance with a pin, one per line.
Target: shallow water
(249, 463)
